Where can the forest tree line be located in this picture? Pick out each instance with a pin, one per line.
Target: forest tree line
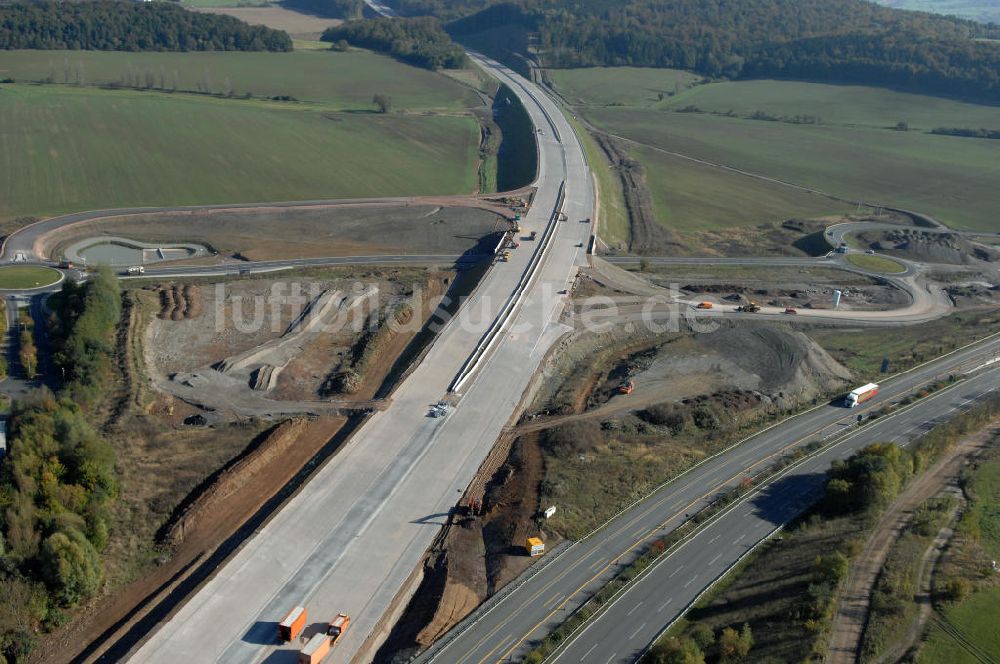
(419, 41)
(846, 41)
(113, 25)
(58, 482)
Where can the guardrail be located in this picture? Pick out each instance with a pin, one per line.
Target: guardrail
(492, 335)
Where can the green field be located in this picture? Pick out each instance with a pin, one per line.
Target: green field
(854, 153)
(688, 196)
(82, 149)
(985, 510)
(18, 277)
(875, 263)
(625, 86)
(339, 81)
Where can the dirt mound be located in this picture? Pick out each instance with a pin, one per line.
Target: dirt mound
(179, 302)
(776, 360)
(929, 247)
(232, 478)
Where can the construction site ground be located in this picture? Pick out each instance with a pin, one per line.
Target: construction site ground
(796, 287)
(188, 489)
(415, 226)
(235, 318)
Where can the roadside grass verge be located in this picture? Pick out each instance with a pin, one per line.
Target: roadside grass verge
(863, 351)
(81, 149)
(879, 264)
(613, 220)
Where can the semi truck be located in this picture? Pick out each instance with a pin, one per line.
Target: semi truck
(860, 395)
(291, 626)
(136, 269)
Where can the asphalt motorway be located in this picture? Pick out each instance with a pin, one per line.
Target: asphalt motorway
(635, 619)
(507, 625)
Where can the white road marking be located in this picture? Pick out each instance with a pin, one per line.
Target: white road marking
(691, 580)
(739, 539)
(588, 652)
(711, 541)
(714, 560)
(638, 629)
(679, 568)
(664, 605)
(632, 610)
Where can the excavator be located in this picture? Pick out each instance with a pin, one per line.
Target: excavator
(750, 307)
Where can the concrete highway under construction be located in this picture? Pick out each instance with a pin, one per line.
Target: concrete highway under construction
(351, 539)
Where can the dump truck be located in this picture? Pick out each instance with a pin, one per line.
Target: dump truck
(704, 305)
(750, 307)
(860, 395)
(337, 627)
(291, 625)
(535, 546)
(506, 255)
(315, 650)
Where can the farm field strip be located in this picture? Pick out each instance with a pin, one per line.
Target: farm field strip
(79, 149)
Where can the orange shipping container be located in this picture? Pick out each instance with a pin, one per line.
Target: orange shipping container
(292, 625)
(315, 650)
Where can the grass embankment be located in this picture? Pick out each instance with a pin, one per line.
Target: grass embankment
(968, 608)
(879, 264)
(612, 215)
(862, 351)
(82, 148)
(23, 277)
(837, 139)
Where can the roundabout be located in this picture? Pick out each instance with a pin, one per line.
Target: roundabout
(28, 277)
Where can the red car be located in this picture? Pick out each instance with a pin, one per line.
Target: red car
(789, 310)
